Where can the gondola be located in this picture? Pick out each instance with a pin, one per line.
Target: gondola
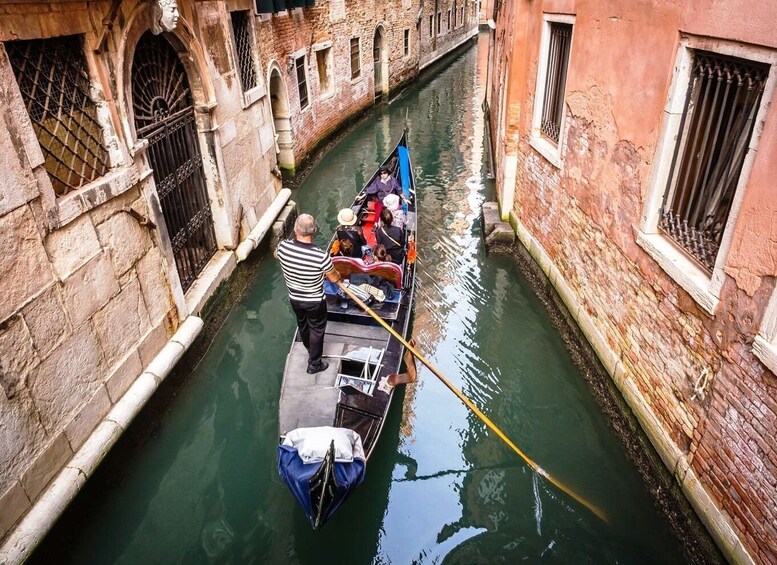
(330, 422)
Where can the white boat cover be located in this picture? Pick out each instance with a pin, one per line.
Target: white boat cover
(312, 444)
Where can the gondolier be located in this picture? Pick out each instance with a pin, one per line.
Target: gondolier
(304, 267)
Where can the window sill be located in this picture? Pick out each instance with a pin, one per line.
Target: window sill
(73, 205)
(766, 352)
(327, 96)
(547, 150)
(357, 79)
(692, 278)
(251, 96)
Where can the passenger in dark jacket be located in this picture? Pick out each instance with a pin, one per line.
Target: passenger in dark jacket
(391, 237)
(384, 185)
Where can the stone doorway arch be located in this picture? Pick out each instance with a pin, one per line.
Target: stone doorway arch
(164, 115)
(380, 63)
(281, 117)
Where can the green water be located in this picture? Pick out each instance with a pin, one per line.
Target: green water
(195, 482)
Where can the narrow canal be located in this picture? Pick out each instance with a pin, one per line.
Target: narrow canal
(196, 482)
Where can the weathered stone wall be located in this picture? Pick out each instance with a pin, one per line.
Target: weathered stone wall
(89, 294)
(581, 221)
(333, 24)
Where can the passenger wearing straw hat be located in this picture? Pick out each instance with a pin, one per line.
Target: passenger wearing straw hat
(349, 231)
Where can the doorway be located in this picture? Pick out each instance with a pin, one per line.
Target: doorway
(164, 115)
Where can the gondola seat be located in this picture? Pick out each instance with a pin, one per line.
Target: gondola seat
(390, 272)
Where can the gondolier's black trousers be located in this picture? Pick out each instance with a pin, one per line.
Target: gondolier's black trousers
(311, 321)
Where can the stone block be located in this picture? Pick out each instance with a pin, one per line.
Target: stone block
(46, 466)
(89, 289)
(21, 435)
(267, 138)
(87, 419)
(72, 246)
(15, 503)
(71, 373)
(17, 354)
(152, 344)
(125, 240)
(129, 199)
(502, 234)
(125, 373)
(18, 186)
(46, 320)
(491, 217)
(24, 266)
(122, 322)
(153, 282)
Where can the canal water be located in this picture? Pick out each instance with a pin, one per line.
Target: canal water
(196, 482)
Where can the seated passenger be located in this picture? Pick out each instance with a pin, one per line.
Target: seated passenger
(347, 231)
(384, 185)
(381, 254)
(393, 203)
(391, 237)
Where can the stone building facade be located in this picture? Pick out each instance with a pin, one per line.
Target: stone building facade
(134, 159)
(635, 149)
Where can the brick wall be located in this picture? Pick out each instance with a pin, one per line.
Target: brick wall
(436, 43)
(334, 24)
(584, 217)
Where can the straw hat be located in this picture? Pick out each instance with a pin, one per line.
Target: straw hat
(346, 217)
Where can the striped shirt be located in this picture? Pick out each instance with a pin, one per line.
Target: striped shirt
(304, 266)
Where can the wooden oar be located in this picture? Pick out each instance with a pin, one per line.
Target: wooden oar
(468, 403)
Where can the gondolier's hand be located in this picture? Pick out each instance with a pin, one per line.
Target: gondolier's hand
(333, 275)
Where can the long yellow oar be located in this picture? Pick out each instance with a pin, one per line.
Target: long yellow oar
(468, 403)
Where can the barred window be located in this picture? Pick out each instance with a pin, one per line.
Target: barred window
(439, 19)
(555, 79)
(245, 59)
(54, 83)
(356, 66)
(302, 83)
(406, 48)
(449, 20)
(722, 102)
(462, 16)
(431, 25)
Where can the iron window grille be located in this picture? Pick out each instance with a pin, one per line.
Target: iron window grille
(439, 19)
(556, 79)
(356, 67)
(407, 42)
(431, 25)
(449, 20)
(724, 94)
(245, 60)
(302, 83)
(455, 11)
(54, 83)
(462, 16)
